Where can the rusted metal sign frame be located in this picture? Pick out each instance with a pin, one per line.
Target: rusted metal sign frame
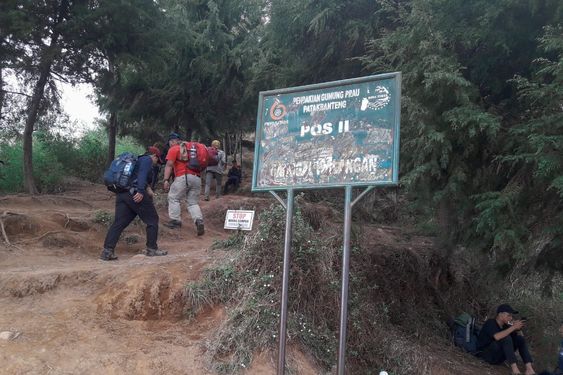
(349, 203)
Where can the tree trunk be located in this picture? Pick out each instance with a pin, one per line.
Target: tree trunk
(189, 133)
(112, 124)
(112, 135)
(44, 71)
(47, 58)
(1, 92)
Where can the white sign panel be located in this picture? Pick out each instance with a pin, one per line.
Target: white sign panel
(239, 219)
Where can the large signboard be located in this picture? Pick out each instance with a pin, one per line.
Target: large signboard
(331, 134)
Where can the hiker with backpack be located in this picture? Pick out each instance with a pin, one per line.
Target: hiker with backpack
(215, 169)
(501, 337)
(130, 177)
(187, 160)
(173, 139)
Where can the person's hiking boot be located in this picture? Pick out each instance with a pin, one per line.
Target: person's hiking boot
(199, 226)
(172, 224)
(108, 254)
(155, 252)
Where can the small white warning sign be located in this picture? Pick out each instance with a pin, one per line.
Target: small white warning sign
(239, 219)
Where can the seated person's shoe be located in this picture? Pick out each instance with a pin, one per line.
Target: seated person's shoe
(155, 252)
(108, 254)
(199, 227)
(173, 224)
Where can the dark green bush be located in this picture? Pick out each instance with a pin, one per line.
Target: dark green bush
(48, 171)
(56, 156)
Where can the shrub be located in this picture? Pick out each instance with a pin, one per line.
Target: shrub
(56, 156)
(251, 285)
(103, 217)
(47, 170)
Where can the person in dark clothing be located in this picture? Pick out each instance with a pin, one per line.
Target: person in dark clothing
(156, 168)
(559, 369)
(501, 337)
(233, 177)
(138, 201)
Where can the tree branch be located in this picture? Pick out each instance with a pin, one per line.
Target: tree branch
(15, 93)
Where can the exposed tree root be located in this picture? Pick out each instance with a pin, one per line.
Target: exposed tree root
(5, 214)
(41, 236)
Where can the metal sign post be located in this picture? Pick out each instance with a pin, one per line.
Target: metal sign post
(285, 277)
(333, 134)
(345, 279)
(348, 205)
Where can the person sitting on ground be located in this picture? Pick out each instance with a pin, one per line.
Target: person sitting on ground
(136, 202)
(233, 178)
(501, 337)
(215, 172)
(559, 369)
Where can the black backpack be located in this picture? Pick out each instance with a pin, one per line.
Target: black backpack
(465, 332)
(118, 177)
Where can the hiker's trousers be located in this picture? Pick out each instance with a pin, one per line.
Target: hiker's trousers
(125, 211)
(187, 186)
(505, 349)
(209, 177)
(232, 180)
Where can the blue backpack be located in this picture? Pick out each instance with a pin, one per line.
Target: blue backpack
(118, 177)
(465, 332)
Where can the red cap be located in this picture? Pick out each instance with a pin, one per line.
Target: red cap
(155, 151)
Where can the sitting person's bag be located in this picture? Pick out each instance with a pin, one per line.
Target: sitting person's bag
(465, 332)
(118, 177)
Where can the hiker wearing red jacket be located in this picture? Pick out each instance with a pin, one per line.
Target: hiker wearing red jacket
(187, 183)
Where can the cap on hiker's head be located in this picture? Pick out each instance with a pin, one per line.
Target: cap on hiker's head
(506, 308)
(174, 136)
(155, 151)
(216, 143)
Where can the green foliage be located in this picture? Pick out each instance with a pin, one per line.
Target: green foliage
(496, 222)
(11, 178)
(103, 217)
(48, 172)
(56, 156)
(533, 158)
(480, 148)
(234, 241)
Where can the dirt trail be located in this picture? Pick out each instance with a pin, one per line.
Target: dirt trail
(71, 313)
(64, 311)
